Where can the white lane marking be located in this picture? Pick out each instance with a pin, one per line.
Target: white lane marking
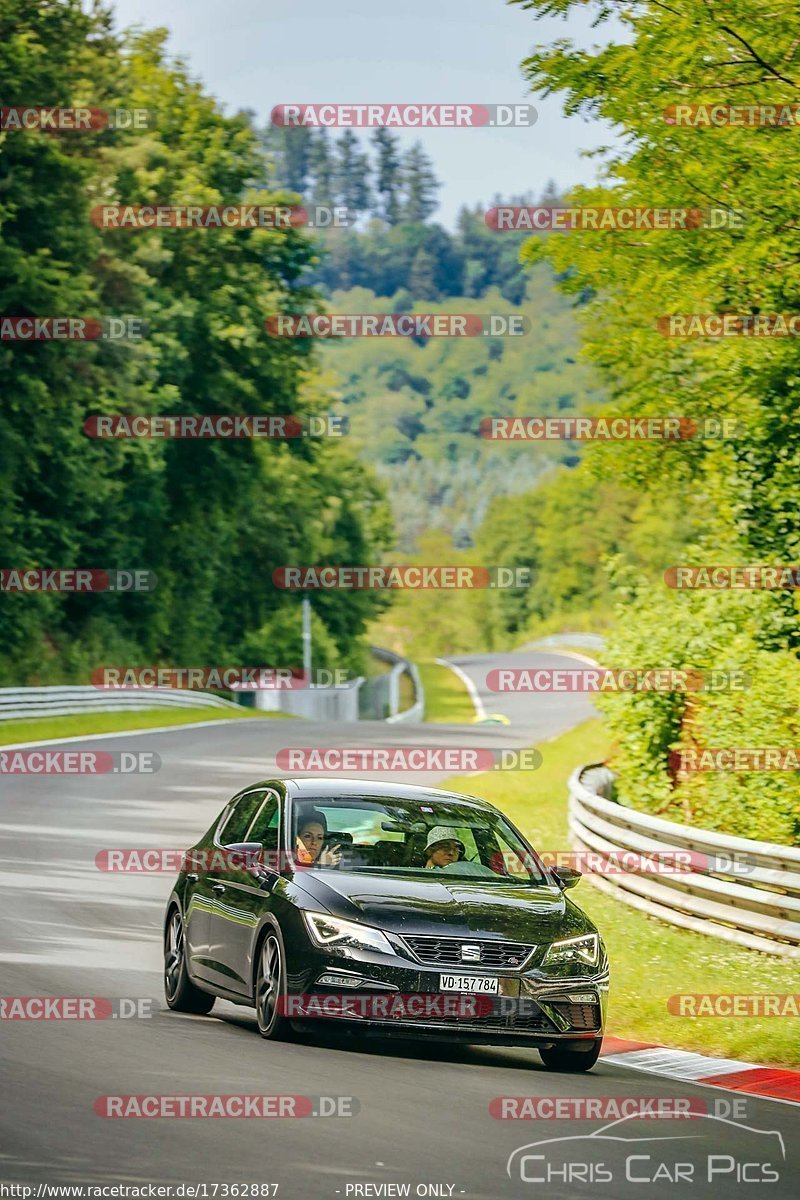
(679, 1064)
(98, 737)
(713, 1067)
(477, 703)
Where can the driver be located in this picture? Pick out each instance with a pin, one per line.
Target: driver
(443, 847)
(312, 830)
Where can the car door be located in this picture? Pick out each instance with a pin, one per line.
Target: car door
(240, 902)
(212, 912)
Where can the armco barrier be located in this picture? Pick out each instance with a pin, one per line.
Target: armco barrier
(315, 703)
(756, 905)
(18, 703)
(387, 688)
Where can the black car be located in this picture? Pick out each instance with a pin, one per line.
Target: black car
(398, 910)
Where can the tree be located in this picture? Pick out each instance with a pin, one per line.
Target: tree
(321, 168)
(352, 174)
(387, 176)
(420, 185)
(421, 277)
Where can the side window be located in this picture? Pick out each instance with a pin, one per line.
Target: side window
(236, 825)
(264, 826)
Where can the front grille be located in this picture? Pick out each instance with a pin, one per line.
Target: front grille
(505, 1014)
(446, 952)
(514, 1022)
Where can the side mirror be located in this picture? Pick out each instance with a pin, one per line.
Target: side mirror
(249, 856)
(245, 855)
(565, 877)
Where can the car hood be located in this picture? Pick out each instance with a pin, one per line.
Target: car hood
(451, 907)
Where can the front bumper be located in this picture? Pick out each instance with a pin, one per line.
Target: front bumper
(530, 1008)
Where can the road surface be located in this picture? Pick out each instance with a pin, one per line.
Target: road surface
(423, 1120)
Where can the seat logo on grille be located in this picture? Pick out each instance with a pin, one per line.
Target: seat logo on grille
(470, 953)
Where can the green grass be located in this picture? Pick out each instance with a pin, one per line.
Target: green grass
(446, 699)
(43, 728)
(650, 960)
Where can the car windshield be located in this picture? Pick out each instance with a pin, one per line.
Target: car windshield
(395, 836)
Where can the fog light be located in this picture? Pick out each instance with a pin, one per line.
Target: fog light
(583, 998)
(348, 981)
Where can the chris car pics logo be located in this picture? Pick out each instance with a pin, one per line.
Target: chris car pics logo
(624, 1152)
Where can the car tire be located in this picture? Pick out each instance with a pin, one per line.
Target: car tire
(564, 1058)
(269, 988)
(181, 994)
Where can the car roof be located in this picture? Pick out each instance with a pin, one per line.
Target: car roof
(325, 788)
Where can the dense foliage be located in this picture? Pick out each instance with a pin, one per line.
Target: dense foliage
(737, 497)
(212, 519)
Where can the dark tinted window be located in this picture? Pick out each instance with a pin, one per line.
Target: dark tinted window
(236, 825)
(264, 827)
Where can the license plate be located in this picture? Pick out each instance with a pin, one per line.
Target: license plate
(468, 983)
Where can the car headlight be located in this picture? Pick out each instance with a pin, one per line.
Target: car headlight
(333, 931)
(584, 949)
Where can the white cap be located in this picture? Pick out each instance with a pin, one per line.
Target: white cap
(444, 833)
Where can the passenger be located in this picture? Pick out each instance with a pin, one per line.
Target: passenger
(311, 834)
(443, 847)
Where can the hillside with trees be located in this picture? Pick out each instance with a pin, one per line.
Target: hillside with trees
(415, 405)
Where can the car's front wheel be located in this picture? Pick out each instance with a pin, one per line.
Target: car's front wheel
(270, 989)
(181, 994)
(567, 1058)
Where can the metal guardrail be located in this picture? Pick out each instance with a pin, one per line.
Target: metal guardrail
(18, 703)
(320, 704)
(314, 703)
(390, 689)
(743, 891)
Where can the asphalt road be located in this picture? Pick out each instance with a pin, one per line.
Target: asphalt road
(423, 1118)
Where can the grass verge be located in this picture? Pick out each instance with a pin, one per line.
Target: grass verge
(650, 961)
(446, 698)
(42, 728)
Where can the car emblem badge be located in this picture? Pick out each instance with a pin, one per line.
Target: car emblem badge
(470, 953)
